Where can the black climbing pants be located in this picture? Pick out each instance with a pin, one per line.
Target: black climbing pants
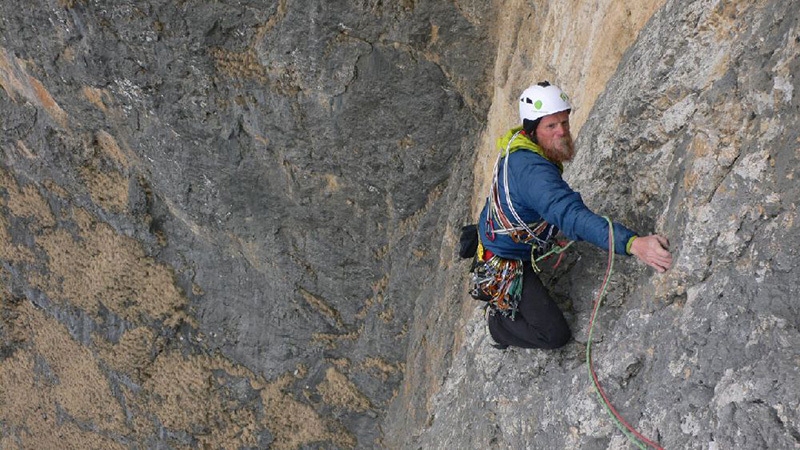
(539, 323)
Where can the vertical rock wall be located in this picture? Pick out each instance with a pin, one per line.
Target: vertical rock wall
(536, 41)
(694, 136)
(215, 215)
(232, 224)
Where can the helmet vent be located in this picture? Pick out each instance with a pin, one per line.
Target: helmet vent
(538, 101)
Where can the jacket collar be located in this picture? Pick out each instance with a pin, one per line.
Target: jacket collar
(515, 139)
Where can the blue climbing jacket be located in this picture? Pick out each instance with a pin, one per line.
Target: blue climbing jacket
(539, 193)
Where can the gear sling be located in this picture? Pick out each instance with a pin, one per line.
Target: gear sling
(498, 280)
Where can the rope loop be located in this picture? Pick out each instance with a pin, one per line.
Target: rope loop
(633, 436)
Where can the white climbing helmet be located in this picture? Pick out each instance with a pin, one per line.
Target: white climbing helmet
(539, 101)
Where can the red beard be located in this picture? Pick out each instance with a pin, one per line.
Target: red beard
(562, 149)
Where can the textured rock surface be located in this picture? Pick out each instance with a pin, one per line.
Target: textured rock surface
(217, 206)
(695, 136)
(232, 224)
(213, 213)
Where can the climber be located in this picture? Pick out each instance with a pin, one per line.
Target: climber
(528, 203)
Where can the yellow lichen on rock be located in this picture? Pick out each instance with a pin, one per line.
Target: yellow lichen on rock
(99, 266)
(294, 423)
(338, 390)
(243, 65)
(51, 382)
(108, 189)
(131, 353)
(26, 201)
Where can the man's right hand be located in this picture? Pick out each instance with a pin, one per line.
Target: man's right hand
(653, 250)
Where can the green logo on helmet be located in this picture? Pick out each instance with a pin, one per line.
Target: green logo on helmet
(538, 104)
(564, 97)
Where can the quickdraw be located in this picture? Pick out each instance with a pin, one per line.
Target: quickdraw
(499, 281)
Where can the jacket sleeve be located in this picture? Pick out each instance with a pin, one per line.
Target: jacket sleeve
(547, 192)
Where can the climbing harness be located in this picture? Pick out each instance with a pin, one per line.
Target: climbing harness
(499, 280)
(633, 436)
(539, 235)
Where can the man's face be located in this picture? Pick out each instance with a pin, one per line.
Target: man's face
(553, 136)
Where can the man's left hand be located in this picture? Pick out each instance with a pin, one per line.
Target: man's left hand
(653, 250)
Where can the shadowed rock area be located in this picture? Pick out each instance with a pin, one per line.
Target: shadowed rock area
(233, 224)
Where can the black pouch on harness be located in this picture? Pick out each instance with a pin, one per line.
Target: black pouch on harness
(468, 243)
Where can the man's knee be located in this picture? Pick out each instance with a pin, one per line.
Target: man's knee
(558, 337)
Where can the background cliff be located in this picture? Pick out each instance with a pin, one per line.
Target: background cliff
(232, 224)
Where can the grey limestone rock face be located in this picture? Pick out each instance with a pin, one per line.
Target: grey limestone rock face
(233, 225)
(235, 204)
(694, 137)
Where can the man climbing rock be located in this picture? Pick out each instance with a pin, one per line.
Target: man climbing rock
(528, 203)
